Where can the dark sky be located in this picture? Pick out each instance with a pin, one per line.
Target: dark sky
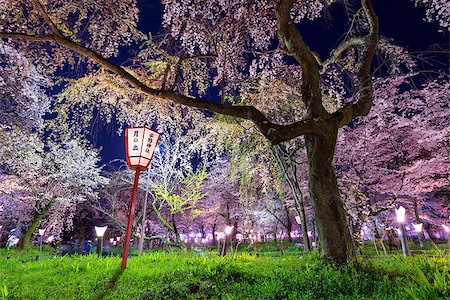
(398, 19)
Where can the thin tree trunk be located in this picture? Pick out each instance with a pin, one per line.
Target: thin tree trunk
(175, 229)
(418, 221)
(291, 179)
(326, 202)
(214, 241)
(166, 224)
(37, 218)
(300, 208)
(288, 221)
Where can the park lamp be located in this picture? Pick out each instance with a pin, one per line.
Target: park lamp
(50, 239)
(400, 212)
(100, 231)
(140, 145)
(41, 236)
(446, 228)
(228, 230)
(418, 227)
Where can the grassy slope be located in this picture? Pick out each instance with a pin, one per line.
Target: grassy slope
(206, 276)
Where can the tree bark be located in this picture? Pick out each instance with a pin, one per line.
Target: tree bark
(288, 222)
(326, 202)
(175, 229)
(37, 218)
(214, 241)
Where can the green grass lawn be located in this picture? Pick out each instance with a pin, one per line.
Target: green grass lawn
(191, 275)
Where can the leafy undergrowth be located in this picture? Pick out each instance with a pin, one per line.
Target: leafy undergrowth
(180, 275)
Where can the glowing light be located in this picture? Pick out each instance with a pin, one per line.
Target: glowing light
(418, 227)
(140, 146)
(228, 230)
(446, 228)
(41, 232)
(100, 230)
(400, 212)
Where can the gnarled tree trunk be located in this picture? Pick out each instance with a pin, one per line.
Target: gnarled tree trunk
(326, 202)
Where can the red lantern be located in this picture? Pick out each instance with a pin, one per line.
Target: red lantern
(140, 144)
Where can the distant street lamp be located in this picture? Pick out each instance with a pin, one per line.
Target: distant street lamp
(418, 229)
(219, 235)
(400, 212)
(100, 231)
(41, 236)
(140, 144)
(228, 231)
(447, 231)
(50, 239)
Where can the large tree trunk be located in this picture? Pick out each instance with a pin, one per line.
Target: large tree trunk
(326, 202)
(37, 218)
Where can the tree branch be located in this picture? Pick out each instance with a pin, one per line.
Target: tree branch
(295, 46)
(49, 21)
(336, 53)
(274, 132)
(365, 92)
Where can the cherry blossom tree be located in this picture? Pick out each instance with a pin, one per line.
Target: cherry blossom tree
(227, 40)
(50, 181)
(408, 163)
(23, 97)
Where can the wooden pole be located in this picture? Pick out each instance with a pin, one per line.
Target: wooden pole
(130, 219)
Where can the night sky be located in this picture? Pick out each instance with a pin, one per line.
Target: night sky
(399, 19)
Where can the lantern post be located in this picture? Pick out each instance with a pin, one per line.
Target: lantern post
(447, 231)
(41, 236)
(100, 232)
(400, 212)
(140, 144)
(418, 228)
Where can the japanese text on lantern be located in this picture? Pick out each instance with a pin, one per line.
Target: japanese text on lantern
(141, 143)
